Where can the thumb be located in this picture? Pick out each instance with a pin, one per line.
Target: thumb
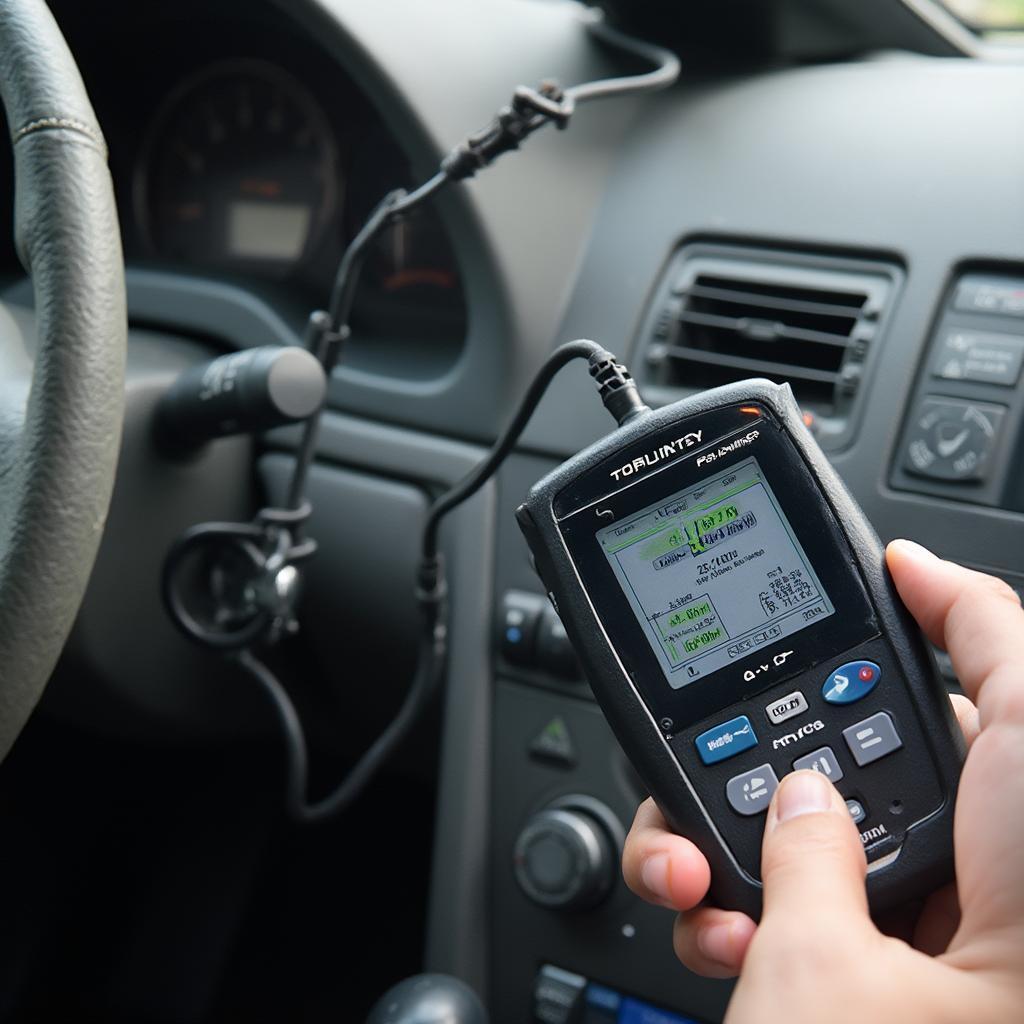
(812, 862)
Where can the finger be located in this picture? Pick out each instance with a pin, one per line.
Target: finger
(812, 861)
(660, 866)
(938, 921)
(977, 618)
(967, 715)
(713, 942)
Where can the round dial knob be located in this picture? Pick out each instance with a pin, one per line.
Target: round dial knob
(429, 999)
(566, 856)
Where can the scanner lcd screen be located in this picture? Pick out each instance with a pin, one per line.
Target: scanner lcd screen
(714, 572)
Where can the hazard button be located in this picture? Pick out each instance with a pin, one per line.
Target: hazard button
(554, 745)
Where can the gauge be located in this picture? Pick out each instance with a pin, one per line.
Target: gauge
(240, 171)
(411, 277)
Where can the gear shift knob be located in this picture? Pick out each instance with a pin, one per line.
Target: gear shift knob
(429, 999)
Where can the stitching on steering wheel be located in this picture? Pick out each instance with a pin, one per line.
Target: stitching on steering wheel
(48, 123)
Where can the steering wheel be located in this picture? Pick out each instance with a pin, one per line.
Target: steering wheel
(58, 446)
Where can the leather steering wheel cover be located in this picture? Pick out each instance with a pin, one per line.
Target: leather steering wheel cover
(57, 470)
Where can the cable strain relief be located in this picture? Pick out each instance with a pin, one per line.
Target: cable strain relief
(616, 388)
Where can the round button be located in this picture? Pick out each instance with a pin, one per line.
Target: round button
(551, 861)
(566, 857)
(952, 440)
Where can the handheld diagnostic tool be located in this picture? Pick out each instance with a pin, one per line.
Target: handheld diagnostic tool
(731, 608)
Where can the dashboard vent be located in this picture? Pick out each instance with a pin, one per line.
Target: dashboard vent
(723, 314)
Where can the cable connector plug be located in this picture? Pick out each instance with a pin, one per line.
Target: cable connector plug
(431, 586)
(530, 109)
(616, 388)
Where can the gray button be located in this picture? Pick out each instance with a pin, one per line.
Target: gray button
(751, 792)
(950, 439)
(980, 356)
(871, 739)
(857, 812)
(787, 707)
(822, 761)
(1001, 297)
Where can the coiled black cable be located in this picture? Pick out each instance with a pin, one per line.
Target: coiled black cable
(428, 668)
(623, 401)
(329, 329)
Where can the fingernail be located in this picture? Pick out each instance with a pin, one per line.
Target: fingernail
(715, 942)
(802, 793)
(655, 874)
(914, 550)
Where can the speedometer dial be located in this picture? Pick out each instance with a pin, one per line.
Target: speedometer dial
(241, 171)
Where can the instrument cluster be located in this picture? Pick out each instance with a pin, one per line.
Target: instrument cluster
(242, 151)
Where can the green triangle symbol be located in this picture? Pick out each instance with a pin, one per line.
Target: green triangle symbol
(556, 730)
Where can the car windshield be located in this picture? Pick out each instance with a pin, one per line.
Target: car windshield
(1003, 19)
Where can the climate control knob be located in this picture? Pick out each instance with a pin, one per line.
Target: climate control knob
(566, 856)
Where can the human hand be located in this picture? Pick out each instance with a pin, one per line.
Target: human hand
(816, 953)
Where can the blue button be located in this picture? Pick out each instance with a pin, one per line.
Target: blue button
(850, 682)
(726, 740)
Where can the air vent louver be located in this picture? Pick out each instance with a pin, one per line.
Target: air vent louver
(723, 315)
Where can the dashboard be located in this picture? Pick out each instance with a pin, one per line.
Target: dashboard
(242, 153)
(833, 201)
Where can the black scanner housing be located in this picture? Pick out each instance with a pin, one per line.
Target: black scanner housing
(909, 794)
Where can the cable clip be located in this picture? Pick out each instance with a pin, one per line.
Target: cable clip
(322, 340)
(530, 109)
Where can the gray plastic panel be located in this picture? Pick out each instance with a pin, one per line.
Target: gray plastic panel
(358, 603)
(458, 933)
(1001, 480)
(623, 943)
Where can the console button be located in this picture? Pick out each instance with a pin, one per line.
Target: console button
(518, 621)
(751, 792)
(557, 995)
(726, 740)
(871, 739)
(980, 356)
(787, 707)
(822, 761)
(851, 682)
(952, 440)
(565, 858)
(554, 744)
(856, 809)
(1003, 298)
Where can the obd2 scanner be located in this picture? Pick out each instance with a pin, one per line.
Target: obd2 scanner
(732, 610)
